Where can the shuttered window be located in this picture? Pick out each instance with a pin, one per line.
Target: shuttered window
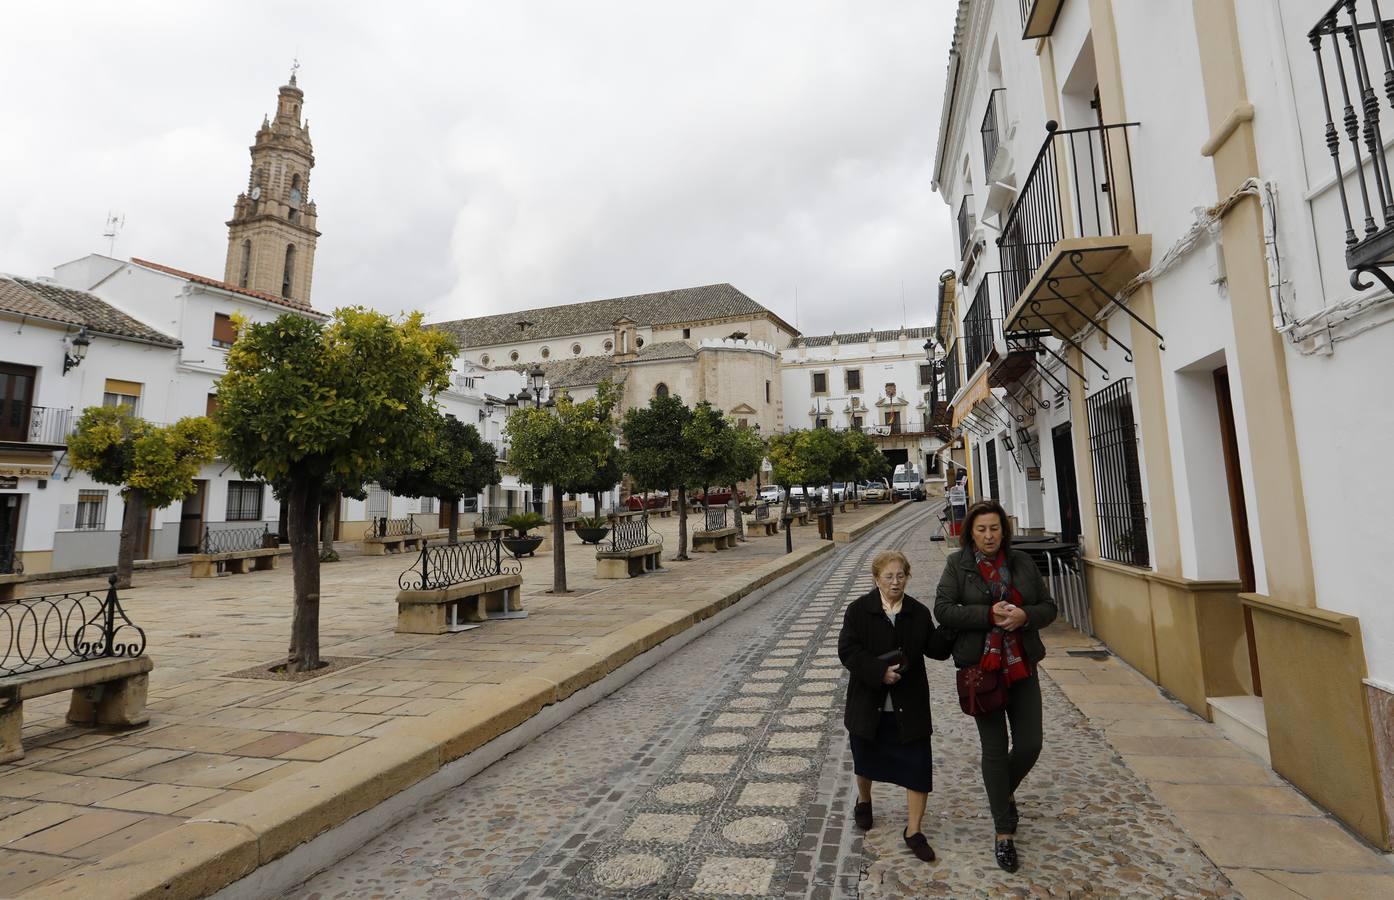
(224, 332)
(122, 393)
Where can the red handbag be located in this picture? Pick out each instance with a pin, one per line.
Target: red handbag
(981, 692)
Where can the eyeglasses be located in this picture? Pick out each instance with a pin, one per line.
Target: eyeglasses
(898, 576)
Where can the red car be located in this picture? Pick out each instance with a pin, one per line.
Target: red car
(654, 501)
(717, 496)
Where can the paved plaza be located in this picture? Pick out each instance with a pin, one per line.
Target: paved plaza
(725, 771)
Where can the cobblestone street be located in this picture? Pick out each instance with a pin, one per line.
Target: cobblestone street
(725, 771)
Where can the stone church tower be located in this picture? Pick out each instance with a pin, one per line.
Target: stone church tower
(271, 236)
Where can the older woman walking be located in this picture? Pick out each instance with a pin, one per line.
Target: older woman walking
(994, 599)
(886, 634)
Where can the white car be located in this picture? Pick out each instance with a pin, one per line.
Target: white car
(772, 493)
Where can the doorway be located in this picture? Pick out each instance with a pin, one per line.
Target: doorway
(191, 518)
(16, 398)
(1066, 488)
(9, 532)
(1243, 548)
(992, 470)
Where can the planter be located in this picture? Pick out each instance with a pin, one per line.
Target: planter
(592, 535)
(522, 546)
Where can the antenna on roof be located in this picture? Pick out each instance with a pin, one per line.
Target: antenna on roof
(114, 223)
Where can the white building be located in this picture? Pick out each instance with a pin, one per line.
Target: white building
(1154, 342)
(881, 382)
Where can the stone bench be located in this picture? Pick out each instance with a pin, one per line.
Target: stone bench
(628, 563)
(106, 691)
(235, 562)
(399, 543)
(10, 583)
(712, 541)
(460, 607)
(761, 527)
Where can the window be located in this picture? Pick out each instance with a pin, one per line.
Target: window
(122, 393)
(638, 342)
(1117, 475)
(91, 510)
(820, 382)
(469, 504)
(244, 501)
(546, 352)
(212, 406)
(575, 349)
(609, 345)
(246, 264)
(686, 333)
(661, 390)
(289, 274)
(992, 470)
(926, 374)
(428, 505)
(820, 422)
(857, 421)
(742, 423)
(854, 379)
(767, 392)
(484, 360)
(513, 355)
(295, 193)
(224, 332)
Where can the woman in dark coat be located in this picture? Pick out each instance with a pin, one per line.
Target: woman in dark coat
(993, 598)
(886, 634)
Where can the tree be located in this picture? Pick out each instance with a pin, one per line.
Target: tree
(154, 465)
(560, 447)
(745, 452)
(456, 463)
(655, 454)
(818, 449)
(307, 405)
(708, 444)
(786, 464)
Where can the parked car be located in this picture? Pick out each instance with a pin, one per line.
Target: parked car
(906, 483)
(772, 493)
(876, 490)
(717, 496)
(656, 500)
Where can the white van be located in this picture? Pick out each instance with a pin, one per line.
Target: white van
(906, 483)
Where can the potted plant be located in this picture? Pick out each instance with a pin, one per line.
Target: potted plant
(522, 543)
(592, 529)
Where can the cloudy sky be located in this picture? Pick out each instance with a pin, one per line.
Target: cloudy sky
(477, 157)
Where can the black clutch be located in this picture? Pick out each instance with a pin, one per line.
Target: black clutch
(893, 658)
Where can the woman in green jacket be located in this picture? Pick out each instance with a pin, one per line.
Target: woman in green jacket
(995, 600)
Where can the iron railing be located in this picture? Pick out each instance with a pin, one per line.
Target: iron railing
(991, 132)
(1358, 27)
(440, 566)
(953, 373)
(24, 423)
(965, 225)
(716, 518)
(382, 526)
(494, 515)
(59, 629)
(1118, 497)
(234, 540)
(979, 328)
(1076, 188)
(628, 532)
(9, 559)
(762, 512)
(1032, 26)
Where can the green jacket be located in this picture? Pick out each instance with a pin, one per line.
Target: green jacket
(963, 605)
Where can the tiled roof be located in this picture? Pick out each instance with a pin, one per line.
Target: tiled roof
(577, 372)
(666, 350)
(712, 301)
(73, 307)
(860, 337)
(296, 305)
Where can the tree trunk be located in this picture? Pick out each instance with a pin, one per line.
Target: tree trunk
(454, 521)
(596, 497)
(327, 514)
(131, 519)
(283, 520)
(558, 545)
(303, 500)
(682, 522)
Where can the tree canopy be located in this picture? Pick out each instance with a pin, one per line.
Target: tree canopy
(456, 462)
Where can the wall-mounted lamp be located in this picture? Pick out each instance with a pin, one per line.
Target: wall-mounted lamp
(1007, 442)
(76, 352)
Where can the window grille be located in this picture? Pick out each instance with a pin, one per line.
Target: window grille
(1122, 513)
(820, 382)
(244, 501)
(854, 379)
(992, 469)
(91, 510)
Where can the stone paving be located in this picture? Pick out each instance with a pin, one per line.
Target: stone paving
(82, 794)
(725, 771)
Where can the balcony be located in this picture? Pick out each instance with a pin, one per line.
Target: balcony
(1070, 241)
(980, 329)
(34, 427)
(1038, 17)
(953, 373)
(992, 129)
(1349, 41)
(966, 223)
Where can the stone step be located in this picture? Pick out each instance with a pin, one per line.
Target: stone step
(1242, 721)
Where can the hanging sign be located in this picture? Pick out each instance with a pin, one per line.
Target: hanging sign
(1033, 473)
(8, 483)
(12, 471)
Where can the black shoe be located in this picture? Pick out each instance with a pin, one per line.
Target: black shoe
(1006, 854)
(919, 845)
(861, 814)
(1013, 818)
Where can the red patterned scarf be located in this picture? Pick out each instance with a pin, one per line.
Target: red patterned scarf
(1002, 650)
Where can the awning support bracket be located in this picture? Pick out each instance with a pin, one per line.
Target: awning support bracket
(1075, 259)
(1127, 351)
(1085, 353)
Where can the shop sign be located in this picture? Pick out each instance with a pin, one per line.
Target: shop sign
(11, 471)
(8, 483)
(1033, 473)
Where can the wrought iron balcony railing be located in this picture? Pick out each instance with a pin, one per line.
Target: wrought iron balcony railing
(24, 423)
(965, 225)
(980, 328)
(1076, 188)
(55, 630)
(1350, 41)
(953, 373)
(991, 131)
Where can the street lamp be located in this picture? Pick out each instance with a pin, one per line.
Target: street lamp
(80, 343)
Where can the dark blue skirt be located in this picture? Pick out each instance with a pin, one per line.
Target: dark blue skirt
(887, 760)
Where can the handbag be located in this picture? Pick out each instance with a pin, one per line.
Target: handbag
(981, 692)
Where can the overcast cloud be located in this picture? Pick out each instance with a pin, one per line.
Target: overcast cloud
(478, 157)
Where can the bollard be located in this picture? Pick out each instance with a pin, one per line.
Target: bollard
(788, 535)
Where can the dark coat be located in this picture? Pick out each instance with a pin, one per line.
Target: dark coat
(866, 634)
(963, 605)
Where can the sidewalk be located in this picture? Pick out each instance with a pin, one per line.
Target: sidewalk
(262, 765)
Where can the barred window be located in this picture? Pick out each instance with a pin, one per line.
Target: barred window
(854, 379)
(1118, 498)
(992, 469)
(91, 510)
(469, 504)
(244, 501)
(820, 382)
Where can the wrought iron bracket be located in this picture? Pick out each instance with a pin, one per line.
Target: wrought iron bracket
(1075, 258)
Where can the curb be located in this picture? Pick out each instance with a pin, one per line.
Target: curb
(209, 854)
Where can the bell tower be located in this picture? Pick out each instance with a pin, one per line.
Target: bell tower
(271, 235)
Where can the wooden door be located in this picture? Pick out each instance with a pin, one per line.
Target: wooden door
(191, 518)
(1066, 487)
(9, 531)
(16, 401)
(1239, 515)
